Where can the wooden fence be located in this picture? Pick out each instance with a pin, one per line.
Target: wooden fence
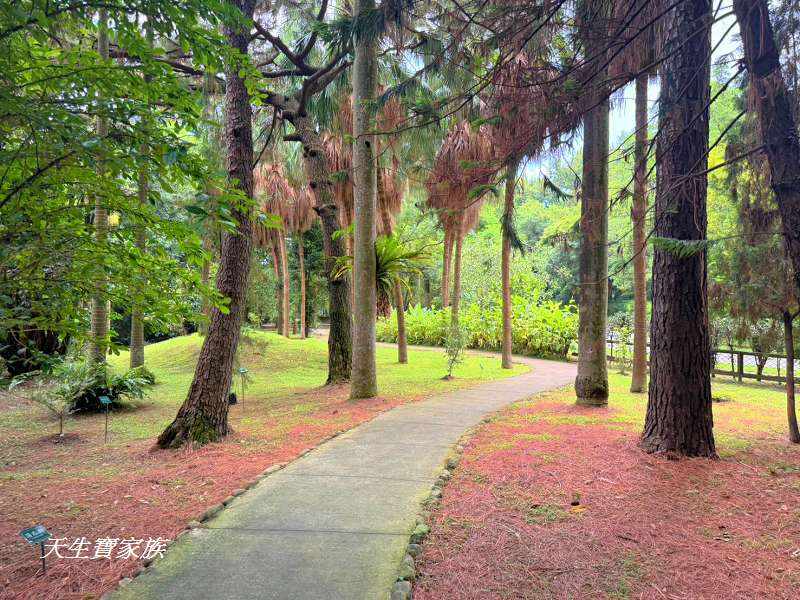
(737, 364)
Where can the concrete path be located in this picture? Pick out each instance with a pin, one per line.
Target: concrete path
(335, 523)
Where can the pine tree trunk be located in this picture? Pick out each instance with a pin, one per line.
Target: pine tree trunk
(364, 382)
(679, 415)
(505, 266)
(456, 300)
(399, 304)
(203, 417)
(99, 328)
(447, 261)
(639, 213)
(285, 313)
(140, 242)
(788, 334)
(301, 254)
(776, 119)
(591, 383)
(318, 173)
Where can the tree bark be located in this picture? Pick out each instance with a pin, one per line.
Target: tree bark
(364, 382)
(140, 242)
(788, 334)
(318, 172)
(98, 327)
(399, 304)
(456, 300)
(203, 417)
(285, 313)
(679, 415)
(301, 255)
(276, 270)
(776, 119)
(505, 264)
(638, 214)
(447, 260)
(591, 383)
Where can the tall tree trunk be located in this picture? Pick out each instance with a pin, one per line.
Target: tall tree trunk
(203, 417)
(775, 116)
(276, 270)
(447, 261)
(679, 418)
(788, 335)
(399, 304)
(638, 214)
(505, 267)
(284, 286)
(98, 327)
(364, 381)
(301, 255)
(591, 383)
(140, 242)
(456, 300)
(318, 172)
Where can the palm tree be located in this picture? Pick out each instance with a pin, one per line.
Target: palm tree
(395, 265)
(591, 383)
(633, 56)
(276, 199)
(455, 192)
(519, 99)
(301, 217)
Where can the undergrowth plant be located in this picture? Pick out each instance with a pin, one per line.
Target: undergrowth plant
(546, 329)
(454, 349)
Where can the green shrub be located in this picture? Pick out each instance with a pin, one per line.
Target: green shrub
(544, 329)
(454, 348)
(143, 373)
(74, 385)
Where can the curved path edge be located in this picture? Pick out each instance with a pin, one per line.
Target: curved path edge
(335, 523)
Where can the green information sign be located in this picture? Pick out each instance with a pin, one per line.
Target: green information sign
(37, 534)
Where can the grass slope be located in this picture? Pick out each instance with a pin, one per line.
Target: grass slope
(81, 487)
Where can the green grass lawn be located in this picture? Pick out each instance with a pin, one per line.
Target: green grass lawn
(279, 369)
(79, 486)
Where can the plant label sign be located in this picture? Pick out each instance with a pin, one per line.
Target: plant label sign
(35, 535)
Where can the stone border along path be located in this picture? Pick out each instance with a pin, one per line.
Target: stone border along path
(335, 523)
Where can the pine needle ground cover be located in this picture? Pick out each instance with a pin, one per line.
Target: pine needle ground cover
(78, 487)
(550, 500)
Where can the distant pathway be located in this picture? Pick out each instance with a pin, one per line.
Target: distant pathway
(335, 523)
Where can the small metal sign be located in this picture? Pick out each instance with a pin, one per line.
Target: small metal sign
(105, 401)
(37, 534)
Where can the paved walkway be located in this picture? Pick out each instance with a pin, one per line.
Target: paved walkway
(334, 524)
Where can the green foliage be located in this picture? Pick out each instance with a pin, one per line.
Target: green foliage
(455, 344)
(143, 373)
(54, 88)
(76, 384)
(621, 327)
(546, 329)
